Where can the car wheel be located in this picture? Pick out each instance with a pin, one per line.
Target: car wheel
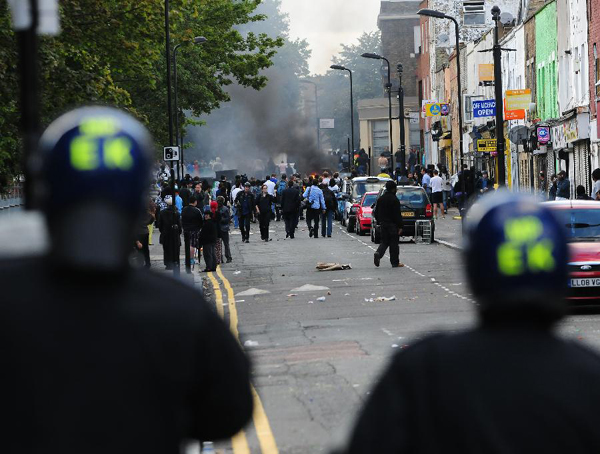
(350, 226)
(359, 230)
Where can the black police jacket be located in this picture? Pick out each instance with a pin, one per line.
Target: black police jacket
(509, 390)
(290, 200)
(388, 210)
(124, 364)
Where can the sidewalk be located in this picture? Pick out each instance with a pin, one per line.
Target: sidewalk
(448, 231)
(156, 259)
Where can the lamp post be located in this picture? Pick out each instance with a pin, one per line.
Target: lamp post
(440, 15)
(304, 81)
(388, 87)
(342, 68)
(402, 159)
(197, 40)
(497, 53)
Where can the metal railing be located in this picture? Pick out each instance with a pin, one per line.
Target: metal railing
(12, 199)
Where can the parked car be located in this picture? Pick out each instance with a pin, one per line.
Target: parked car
(364, 213)
(353, 190)
(581, 219)
(414, 205)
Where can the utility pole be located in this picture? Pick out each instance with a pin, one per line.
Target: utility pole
(497, 53)
(402, 160)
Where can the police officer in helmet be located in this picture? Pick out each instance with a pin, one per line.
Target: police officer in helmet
(510, 384)
(98, 357)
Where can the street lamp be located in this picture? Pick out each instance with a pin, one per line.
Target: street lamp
(402, 157)
(439, 15)
(388, 86)
(342, 68)
(196, 40)
(304, 81)
(497, 52)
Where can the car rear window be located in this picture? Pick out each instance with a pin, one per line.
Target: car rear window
(580, 223)
(369, 200)
(412, 197)
(361, 187)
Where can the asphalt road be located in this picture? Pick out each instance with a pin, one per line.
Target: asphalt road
(314, 360)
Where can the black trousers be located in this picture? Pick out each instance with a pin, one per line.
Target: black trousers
(210, 257)
(226, 248)
(391, 239)
(265, 220)
(145, 251)
(291, 221)
(312, 220)
(245, 226)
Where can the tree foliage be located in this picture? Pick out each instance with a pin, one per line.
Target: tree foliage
(113, 52)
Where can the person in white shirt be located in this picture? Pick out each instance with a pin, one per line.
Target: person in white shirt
(437, 195)
(447, 188)
(270, 186)
(596, 186)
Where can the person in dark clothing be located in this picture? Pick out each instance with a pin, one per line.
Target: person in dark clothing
(388, 214)
(330, 207)
(510, 384)
(99, 357)
(208, 240)
(191, 220)
(553, 187)
(143, 238)
(169, 224)
(263, 205)
(362, 162)
(246, 206)
(581, 195)
(223, 226)
(563, 186)
(290, 206)
(186, 192)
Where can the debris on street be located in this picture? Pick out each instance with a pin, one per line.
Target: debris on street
(333, 266)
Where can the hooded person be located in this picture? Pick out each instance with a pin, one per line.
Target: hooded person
(509, 384)
(98, 356)
(169, 224)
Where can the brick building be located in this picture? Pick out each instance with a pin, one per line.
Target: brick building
(594, 68)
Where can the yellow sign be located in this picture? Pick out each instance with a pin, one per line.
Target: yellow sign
(486, 72)
(518, 99)
(433, 110)
(486, 145)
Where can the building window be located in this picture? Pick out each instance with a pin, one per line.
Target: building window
(473, 12)
(381, 137)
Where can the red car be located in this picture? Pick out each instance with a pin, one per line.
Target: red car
(365, 213)
(581, 219)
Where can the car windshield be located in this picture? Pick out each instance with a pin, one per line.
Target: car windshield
(369, 200)
(361, 187)
(412, 197)
(580, 224)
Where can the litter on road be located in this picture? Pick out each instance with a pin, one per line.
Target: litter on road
(292, 294)
(380, 299)
(322, 298)
(250, 343)
(321, 266)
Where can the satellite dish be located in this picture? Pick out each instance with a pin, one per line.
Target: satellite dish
(443, 39)
(518, 134)
(506, 18)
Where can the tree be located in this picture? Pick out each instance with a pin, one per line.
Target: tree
(334, 88)
(113, 52)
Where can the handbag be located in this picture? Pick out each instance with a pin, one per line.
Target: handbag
(306, 202)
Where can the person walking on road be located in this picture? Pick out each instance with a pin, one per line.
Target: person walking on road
(446, 187)
(208, 240)
(169, 224)
(437, 194)
(246, 206)
(387, 212)
(264, 206)
(234, 192)
(290, 205)
(316, 206)
(521, 373)
(223, 225)
(191, 220)
(330, 207)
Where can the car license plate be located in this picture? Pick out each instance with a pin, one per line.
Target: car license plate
(586, 282)
(408, 214)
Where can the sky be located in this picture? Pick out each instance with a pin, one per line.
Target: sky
(325, 24)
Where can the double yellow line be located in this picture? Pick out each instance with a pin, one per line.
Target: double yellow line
(261, 422)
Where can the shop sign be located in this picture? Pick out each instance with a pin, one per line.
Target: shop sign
(484, 108)
(486, 145)
(543, 134)
(571, 130)
(486, 72)
(518, 99)
(445, 109)
(433, 110)
(558, 137)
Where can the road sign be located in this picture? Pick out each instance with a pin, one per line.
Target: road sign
(445, 109)
(486, 145)
(171, 154)
(484, 108)
(518, 99)
(327, 123)
(433, 110)
(543, 135)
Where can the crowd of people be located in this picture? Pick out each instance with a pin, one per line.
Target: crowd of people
(203, 214)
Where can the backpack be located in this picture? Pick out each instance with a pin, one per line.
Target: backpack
(281, 186)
